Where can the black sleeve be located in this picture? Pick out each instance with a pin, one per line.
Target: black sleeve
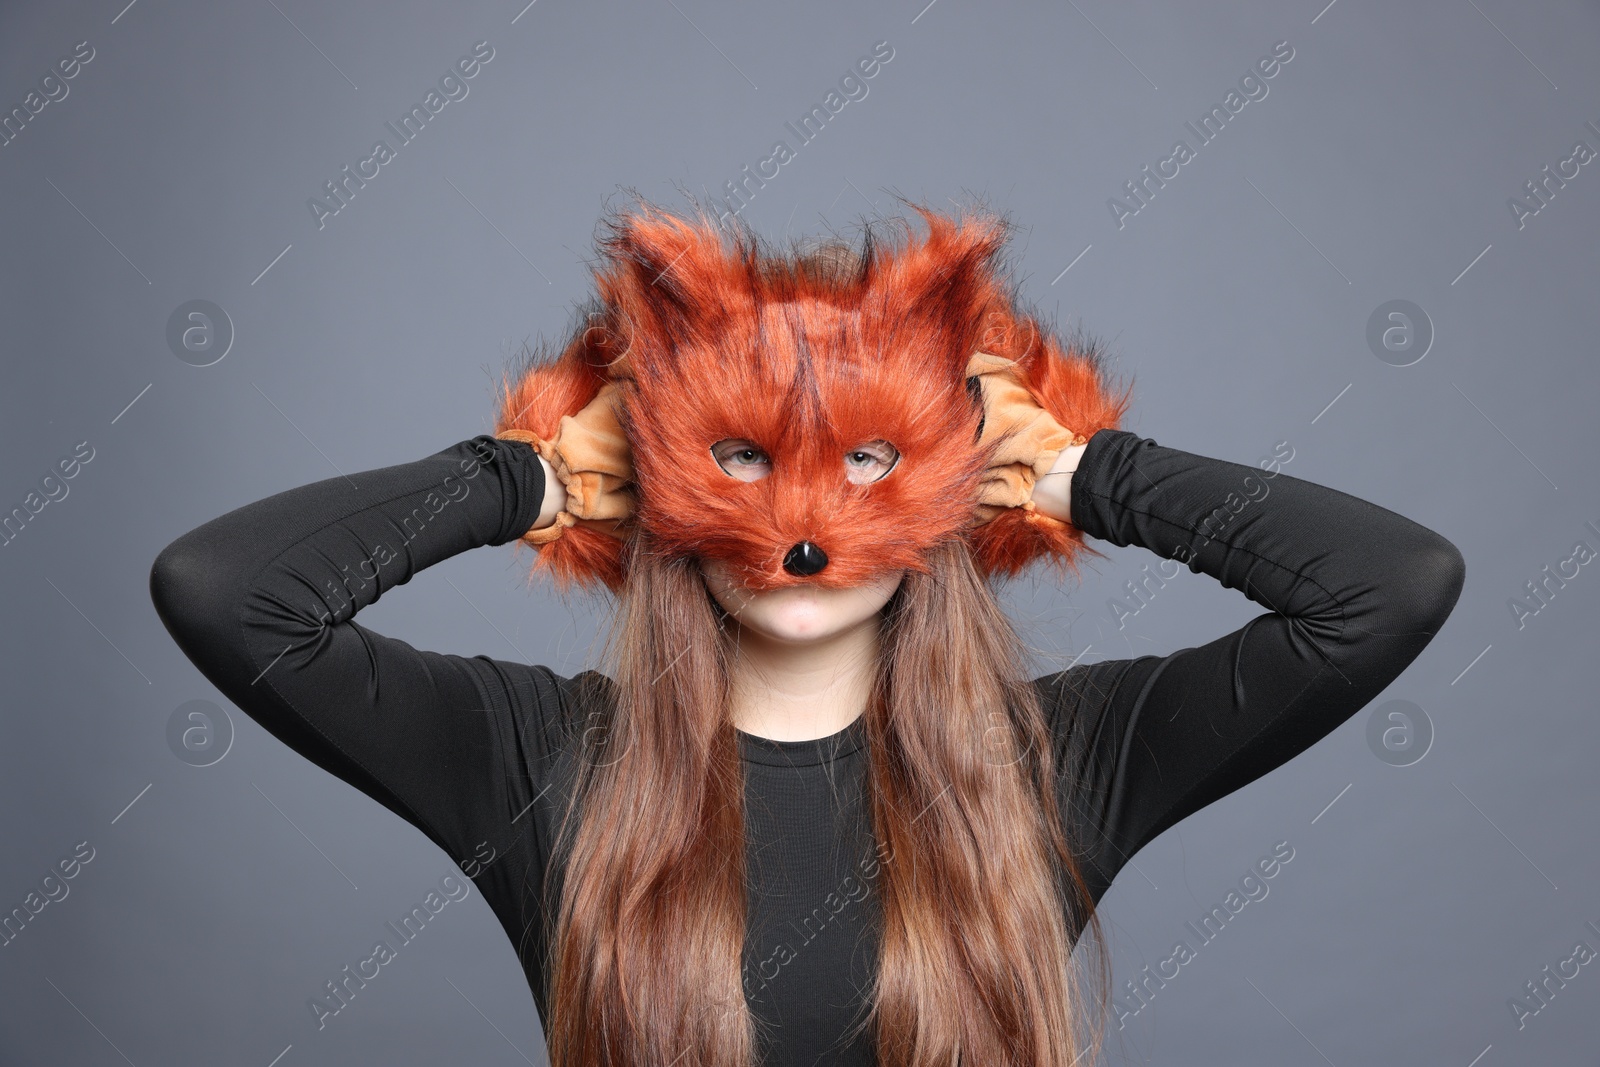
(262, 599)
(1355, 594)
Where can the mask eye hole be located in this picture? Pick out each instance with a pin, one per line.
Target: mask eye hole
(741, 459)
(870, 462)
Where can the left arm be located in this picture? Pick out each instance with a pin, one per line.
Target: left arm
(1355, 593)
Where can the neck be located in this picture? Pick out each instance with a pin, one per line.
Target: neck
(800, 691)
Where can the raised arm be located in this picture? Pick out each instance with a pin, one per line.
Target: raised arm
(262, 601)
(1355, 594)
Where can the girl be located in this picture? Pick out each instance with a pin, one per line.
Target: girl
(818, 811)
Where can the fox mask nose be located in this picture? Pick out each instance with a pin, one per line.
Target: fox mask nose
(805, 559)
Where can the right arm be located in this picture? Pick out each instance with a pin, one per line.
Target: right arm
(262, 601)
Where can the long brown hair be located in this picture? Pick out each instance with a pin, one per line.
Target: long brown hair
(981, 900)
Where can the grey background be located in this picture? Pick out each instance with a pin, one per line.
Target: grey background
(1378, 167)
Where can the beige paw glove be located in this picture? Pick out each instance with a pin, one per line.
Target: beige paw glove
(1032, 437)
(591, 457)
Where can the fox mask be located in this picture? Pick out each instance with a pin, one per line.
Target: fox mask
(807, 358)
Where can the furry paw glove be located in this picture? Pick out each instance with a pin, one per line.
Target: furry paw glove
(590, 455)
(1029, 438)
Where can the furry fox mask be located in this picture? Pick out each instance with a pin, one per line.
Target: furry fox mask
(808, 417)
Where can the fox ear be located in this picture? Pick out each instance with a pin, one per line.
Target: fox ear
(947, 288)
(671, 280)
(956, 264)
(532, 401)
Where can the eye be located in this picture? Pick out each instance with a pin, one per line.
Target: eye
(741, 459)
(870, 462)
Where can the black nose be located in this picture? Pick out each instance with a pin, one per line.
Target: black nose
(805, 559)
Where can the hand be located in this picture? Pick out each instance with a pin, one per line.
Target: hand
(1052, 494)
(555, 496)
(588, 470)
(1031, 445)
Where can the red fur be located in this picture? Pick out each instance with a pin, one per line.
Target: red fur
(541, 394)
(714, 337)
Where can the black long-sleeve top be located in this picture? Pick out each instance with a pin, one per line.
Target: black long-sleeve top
(262, 600)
